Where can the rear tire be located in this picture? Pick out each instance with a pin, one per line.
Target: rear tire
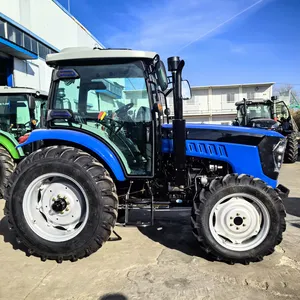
(85, 209)
(238, 231)
(291, 150)
(7, 166)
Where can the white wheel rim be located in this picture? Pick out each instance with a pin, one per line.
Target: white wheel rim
(239, 222)
(55, 207)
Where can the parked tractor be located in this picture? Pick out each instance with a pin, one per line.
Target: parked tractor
(19, 115)
(272, 115)
(105, 151)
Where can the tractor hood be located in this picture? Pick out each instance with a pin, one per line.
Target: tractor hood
(223, 133)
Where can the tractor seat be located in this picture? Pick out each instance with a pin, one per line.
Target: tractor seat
(143, 114)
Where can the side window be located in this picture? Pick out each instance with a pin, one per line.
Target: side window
(93, 102)
(281, 110)
(240, 114)
(22, 112)
(68, 95)
(40, 109)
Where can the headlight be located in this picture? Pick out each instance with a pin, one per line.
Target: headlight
(278, 154)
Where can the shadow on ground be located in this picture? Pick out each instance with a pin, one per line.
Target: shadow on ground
(292, 206)
(9, 236)
(113, 297)
(173, 230)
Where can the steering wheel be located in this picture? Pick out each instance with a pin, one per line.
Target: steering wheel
(4, 126)
(124, 109)
(112, 126)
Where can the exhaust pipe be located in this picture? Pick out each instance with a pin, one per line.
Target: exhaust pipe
(175, 66)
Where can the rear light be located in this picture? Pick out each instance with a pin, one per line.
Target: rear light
(23, 139)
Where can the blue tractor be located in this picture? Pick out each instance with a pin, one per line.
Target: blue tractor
(107, 148)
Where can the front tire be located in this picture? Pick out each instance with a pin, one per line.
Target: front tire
(238, 219)
(7, 166)
(291, 150)
(61, 203)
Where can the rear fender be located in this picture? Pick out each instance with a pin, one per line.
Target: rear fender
(83, 139)
(9, 142)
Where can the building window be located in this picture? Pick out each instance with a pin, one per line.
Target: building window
(250, 95)
(230, 98)
(2, 29)
(34, 46)
(15, 35)
(23, 39)
(43, 51)
(27, 42)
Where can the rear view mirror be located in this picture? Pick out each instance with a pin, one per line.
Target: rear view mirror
(161, 73)
(31, 102)
(186, 90)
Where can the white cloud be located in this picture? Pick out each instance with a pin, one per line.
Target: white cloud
(169, 26)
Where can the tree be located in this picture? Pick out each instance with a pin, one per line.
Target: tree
(296, 117)
(283, 90)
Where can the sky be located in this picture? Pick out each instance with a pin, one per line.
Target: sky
(221, 41)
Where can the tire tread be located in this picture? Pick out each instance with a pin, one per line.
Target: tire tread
(104, 184)
(233, 180)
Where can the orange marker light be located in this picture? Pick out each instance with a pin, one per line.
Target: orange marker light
(159, 106)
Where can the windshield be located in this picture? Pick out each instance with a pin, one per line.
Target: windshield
(112, 102)
(15, 116)
(259, 111)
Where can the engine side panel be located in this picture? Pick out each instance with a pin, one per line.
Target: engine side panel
(244, 159)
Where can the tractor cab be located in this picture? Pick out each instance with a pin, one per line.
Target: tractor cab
(20, 110)
(118, 104)
(264, 113)
(255, 113)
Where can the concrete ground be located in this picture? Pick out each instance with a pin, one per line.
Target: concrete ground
(157, 263)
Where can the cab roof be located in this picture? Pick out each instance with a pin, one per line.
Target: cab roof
(21, 90)
(255, 101)
(84, 53)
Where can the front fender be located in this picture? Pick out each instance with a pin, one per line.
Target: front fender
(82, 139)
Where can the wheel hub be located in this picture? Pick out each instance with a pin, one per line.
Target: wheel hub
(59, 205)
(55, 210)
(237, 223)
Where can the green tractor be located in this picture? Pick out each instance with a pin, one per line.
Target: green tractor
(20, 110)
(270, 114)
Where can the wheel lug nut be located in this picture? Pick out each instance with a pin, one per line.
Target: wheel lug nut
(237, 228)
(231, 224)
(237, 214)
(244, 225)
(244, 218)
(231, 218)
(67, 209)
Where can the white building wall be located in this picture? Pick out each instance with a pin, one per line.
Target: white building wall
(47, 20)
(217, 104)
(32, 73)
(52, 24)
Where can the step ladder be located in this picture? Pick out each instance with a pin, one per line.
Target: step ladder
(136, 203)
